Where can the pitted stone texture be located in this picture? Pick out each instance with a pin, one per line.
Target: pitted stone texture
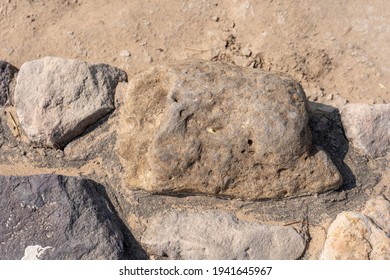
(218, 235)
(353, 236)
(7, 73)
(57, 217)
(57, 99)
(368, 127)
(214, 128)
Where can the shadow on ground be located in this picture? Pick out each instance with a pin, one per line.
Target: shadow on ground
(133, 250)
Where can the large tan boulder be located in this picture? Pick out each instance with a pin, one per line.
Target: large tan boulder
(214, 128)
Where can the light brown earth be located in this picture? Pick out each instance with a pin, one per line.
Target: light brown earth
(332, 47)
(338, 50)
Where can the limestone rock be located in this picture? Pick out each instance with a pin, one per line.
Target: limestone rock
(378, 210)
(353, 236)
(215, 234)
(7, 73)
(215, 128)
(57, 217)
(368, 127)
(57, 99)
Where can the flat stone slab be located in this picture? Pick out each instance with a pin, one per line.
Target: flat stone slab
(368, 127)
(213, 234)
(57, 217)
(56, 99)
(214, 128)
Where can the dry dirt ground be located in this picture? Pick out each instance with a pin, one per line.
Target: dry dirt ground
(338, 50)
(332, 47)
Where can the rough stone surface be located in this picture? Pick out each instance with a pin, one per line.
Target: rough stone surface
(368, 127)
(378, 210)
(218, 235)
(353, 236)
(7, 73)
(215, 128)
(57, 217)
(57, 99)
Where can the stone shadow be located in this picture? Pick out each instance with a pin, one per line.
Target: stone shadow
(328, 133)
(133, 250)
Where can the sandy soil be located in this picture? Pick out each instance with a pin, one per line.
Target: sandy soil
(337, 49)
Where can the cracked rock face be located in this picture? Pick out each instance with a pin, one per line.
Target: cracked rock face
(213, 128)
(56, 99)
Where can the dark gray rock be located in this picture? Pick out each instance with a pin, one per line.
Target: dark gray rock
(7, 73)
(57, 217)
(57, 99)
(214, 128)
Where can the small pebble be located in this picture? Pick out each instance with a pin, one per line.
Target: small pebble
(246, 52)
(124, 53)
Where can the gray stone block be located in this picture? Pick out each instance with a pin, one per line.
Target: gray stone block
(57, 99)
